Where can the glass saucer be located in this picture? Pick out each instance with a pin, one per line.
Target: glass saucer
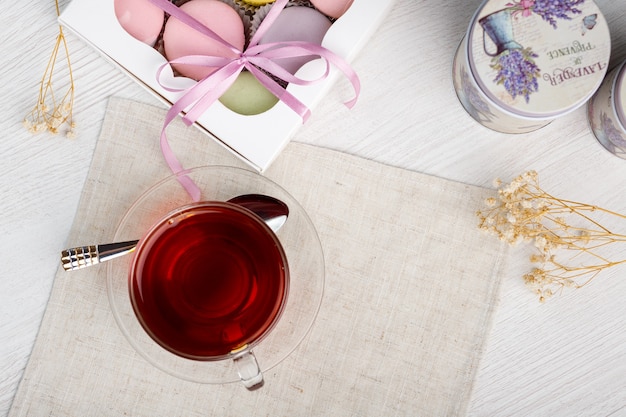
(297, 236)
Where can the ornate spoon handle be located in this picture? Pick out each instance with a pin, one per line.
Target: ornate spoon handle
(271, 210)
(84, 256)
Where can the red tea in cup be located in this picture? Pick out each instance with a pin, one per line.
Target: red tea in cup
(208, 280)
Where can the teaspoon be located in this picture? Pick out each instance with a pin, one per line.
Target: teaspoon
(271, 210)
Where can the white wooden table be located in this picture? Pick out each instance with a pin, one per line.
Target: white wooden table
(563, 358)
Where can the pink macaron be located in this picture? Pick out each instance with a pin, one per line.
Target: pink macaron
(332, 8)
(140, 18)
(180, 40)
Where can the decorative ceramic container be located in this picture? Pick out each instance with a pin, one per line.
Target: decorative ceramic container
(523, 63)
(607, 112)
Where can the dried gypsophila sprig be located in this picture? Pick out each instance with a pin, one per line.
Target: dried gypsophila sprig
(523, 211)
(51, 113)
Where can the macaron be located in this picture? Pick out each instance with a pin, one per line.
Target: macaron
(332, 8)
(180, 40)
(248, 96)
(297, 23)
(257, 2)
(140, 18)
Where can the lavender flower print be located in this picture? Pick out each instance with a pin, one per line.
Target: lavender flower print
(472, 100)
(549, 10)
(515, 65)
(612, 133)
(517, 72)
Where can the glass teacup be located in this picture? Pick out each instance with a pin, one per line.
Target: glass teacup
(210, 281)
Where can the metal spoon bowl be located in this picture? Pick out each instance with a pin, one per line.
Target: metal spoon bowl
(271, 210)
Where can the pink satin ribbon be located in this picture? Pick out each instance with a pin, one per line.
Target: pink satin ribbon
(196, 99)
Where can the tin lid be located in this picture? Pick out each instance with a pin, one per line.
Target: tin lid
(620, 95)
(538, 58)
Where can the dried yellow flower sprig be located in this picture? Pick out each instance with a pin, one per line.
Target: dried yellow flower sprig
(523, 211)
(52, 112)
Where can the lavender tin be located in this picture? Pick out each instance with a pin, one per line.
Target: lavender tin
(607, 112)
(523, 63)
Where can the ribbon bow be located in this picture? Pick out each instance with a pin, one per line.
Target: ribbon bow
(258, 59)
(525, 7)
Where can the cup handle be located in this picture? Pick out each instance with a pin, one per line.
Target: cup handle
(248, 370)
(485, 46)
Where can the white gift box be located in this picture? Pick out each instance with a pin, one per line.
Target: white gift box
(257, 139)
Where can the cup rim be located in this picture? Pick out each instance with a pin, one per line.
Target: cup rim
(181, 210)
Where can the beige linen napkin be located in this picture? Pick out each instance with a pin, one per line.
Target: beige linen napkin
(411, 286)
